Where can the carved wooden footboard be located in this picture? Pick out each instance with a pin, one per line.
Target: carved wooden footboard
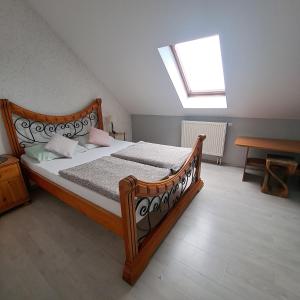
(149, 210)
(160, 204)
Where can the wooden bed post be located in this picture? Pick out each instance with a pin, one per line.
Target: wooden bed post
(199, 149)
(127, 197)
(8, 122)
(99, 112)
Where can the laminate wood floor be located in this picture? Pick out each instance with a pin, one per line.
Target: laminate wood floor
(233, 242)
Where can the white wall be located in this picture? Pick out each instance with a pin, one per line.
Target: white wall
(38, 71)
(118, 41)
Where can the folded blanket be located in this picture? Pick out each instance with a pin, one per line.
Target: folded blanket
(161, 156)
(103, 175)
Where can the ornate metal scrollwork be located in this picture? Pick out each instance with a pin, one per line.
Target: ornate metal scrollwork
(151, 210)
(31, 132)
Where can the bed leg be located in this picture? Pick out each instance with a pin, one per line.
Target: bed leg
(128, 275)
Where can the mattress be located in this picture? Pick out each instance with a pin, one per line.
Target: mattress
(50, 169)
(157, 155)
(104, 174)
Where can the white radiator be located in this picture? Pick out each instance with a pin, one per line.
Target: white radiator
(215, 136)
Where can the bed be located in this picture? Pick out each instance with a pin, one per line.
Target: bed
(146, 211)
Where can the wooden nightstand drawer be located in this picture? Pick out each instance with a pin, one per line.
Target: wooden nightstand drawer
(13, 191)
(9, 172)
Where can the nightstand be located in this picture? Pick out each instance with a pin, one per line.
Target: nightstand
(117, 135)
(13, 191)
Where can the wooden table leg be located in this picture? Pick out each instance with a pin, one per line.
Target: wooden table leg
(245, 165)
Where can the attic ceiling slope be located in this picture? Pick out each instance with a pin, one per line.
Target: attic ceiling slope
(118, 41)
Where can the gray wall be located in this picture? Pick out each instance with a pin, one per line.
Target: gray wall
(167, 130)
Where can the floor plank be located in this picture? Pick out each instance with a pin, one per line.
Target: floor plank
(233, 242)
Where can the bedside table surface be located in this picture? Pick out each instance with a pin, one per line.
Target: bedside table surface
(10, 160)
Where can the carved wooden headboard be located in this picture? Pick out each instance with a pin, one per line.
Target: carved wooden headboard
(26, 128)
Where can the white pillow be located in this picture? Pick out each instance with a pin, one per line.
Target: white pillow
(61, 145)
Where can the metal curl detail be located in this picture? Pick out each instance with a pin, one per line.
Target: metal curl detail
(30, 132)
(148, 207)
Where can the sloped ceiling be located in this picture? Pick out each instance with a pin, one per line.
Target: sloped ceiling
(118, 41)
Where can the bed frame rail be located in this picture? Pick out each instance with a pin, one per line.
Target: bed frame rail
(169, 197)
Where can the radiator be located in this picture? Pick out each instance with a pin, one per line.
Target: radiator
(215, 136)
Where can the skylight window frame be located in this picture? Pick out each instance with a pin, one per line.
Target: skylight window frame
(189, 91)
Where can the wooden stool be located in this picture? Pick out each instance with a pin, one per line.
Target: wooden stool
(277, 172)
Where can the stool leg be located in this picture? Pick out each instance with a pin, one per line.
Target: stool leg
(284, 191)
(265, 186)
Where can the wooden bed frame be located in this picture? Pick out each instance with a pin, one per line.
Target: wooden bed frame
(171, 195)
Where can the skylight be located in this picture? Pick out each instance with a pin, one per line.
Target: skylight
(195, 68)
(200, 64)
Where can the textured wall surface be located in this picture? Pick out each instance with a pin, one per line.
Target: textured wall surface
(167, 130)
(40, 73)
(118, 41)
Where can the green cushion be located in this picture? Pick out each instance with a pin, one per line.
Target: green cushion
(39, 153)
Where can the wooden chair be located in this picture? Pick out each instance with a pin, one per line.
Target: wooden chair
(277, 172)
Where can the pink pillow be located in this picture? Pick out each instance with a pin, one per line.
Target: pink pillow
(99, 137)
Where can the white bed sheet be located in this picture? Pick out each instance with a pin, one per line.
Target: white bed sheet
(50, 169)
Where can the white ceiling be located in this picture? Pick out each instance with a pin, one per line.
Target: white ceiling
(118, 41)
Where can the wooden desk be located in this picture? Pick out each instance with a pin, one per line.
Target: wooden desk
(288, 146)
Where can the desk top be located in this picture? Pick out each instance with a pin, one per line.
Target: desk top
(269, 144)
